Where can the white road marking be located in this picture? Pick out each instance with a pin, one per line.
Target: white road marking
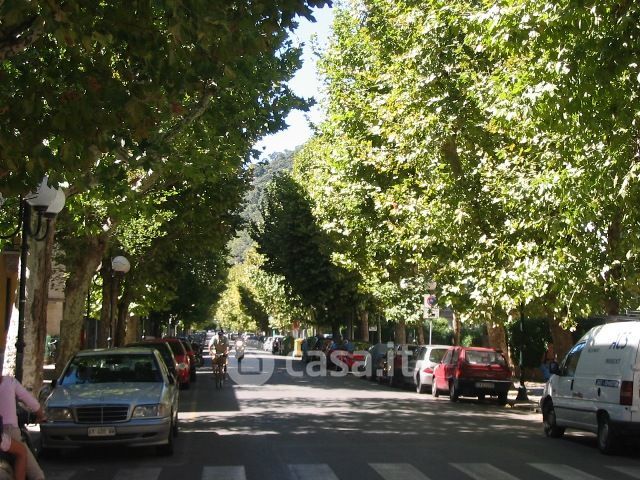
(564, 472)
(235, 472)
(630, 471)
(151, 473)
(483, 471)
(398, 471)
(312, 471)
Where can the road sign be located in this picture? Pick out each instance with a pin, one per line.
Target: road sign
(429, 310)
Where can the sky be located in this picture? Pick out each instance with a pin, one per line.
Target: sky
(305, 84)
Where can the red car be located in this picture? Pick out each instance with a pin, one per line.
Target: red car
(192, 359)
(182, 358)
(472, 372)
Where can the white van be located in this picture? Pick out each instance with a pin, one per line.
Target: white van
(597, 386)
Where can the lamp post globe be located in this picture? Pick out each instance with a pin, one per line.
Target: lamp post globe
(56, 205)
(43, 197)
(120, 264)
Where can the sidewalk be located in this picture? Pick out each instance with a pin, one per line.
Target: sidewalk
(534, 393)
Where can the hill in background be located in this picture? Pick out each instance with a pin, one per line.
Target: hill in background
(263, 172)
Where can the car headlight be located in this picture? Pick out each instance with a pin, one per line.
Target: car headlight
(182, 366)
(59, 414)
(151, 411)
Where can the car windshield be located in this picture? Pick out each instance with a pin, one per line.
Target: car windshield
(89, 369)
(484, 357)
(436, 354)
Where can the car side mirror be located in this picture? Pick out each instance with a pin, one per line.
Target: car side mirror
(554, 368)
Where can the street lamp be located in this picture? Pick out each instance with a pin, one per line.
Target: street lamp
(522, 389)
(119, 266)
(47, 202)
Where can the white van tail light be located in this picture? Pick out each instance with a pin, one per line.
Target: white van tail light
(626, 393)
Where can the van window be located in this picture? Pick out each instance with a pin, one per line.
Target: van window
(571, 360)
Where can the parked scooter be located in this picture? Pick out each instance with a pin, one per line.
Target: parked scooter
(239, 350)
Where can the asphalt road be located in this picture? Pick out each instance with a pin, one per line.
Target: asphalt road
(326, 428)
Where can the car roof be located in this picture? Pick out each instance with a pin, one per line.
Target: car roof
(115, 351)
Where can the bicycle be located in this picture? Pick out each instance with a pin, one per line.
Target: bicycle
(218, 369)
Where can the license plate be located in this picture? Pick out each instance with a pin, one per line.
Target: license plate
(102, 431)
(484, 385)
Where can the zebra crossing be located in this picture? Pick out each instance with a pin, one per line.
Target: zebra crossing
(385, 471)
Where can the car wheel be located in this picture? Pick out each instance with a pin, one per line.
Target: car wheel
(502, 398)
(551, 429)
(420, 387)
(607, 440)
(453, 392)
(481, 397)
(193, 376)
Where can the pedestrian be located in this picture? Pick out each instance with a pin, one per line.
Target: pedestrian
(548, 356)
(12, 390)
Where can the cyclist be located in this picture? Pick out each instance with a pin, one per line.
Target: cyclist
(219, 349)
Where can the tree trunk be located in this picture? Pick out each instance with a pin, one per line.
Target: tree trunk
(9, 294)
(35, 319)
(456, 329)
(364, 325)
(400, 332)
(562, 338)
(122, 315)
(498, 338)
(107, 294)
(75, 293)
(421, 339)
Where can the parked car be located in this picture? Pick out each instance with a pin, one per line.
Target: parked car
(120, 396)
(268, 344)
(277, 344)
(192, 358)
(403, 365)
(472, 372)
(595, 388)
(165, 352)
(182, 357)
(424, 360)
(375, 359)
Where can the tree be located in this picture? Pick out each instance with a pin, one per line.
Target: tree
(142, 107)
(297, 250)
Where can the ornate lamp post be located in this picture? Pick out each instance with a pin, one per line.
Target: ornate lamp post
(119, 266)
(47, 203)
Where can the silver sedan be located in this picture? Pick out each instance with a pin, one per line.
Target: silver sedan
(120, 396)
